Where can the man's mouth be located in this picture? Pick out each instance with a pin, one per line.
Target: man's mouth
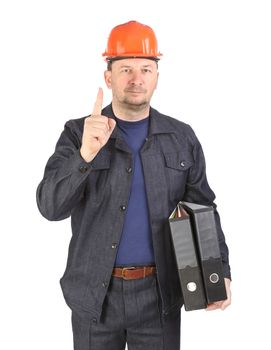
(135, 91)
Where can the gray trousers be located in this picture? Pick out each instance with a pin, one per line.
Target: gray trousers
(131, 314)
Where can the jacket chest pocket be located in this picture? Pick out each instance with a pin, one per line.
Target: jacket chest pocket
(177, 165)
(101, 161)
(97, 186)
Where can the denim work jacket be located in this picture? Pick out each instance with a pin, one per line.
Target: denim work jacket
(96, 196)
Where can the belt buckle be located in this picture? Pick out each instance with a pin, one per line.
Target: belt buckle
(123, 271)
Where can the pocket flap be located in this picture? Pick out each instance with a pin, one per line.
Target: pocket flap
(178, 160)
(101, 161)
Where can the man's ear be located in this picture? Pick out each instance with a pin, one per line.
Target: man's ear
(157, 80)
(107, 78)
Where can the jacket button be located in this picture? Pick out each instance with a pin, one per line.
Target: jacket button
(114, 245)
(122, 207)
(129, 170)
(182, 163)
(94, 320)
(104, 284)
(83, 169)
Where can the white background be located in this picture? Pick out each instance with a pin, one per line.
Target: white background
(215, 75)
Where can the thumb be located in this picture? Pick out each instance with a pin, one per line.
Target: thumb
(112, 124)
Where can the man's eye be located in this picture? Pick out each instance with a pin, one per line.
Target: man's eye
(146, 70)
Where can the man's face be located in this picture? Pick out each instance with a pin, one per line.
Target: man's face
(133, 81)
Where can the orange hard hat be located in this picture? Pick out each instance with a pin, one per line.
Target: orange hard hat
(132, 39)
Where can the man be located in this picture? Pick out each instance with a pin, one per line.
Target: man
(119, 173)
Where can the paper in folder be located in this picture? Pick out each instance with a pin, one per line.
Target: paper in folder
(187, 262)
(204, 229)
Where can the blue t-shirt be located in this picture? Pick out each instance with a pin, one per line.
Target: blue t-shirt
(135, 247)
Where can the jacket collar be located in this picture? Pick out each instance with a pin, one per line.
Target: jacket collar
(159, 123)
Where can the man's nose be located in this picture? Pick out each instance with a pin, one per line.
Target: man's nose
(136, 78)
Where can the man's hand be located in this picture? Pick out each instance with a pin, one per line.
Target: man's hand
(97, 130)
(224, 303)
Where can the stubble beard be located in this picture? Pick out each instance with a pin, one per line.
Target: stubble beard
(134, 105)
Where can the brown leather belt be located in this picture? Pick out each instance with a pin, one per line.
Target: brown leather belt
(132, 272)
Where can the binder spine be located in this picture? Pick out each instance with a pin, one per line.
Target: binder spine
(192, 288)
(188, 265)
(204, 228)
(213, 280)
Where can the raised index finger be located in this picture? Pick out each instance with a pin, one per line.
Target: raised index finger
(97, 109)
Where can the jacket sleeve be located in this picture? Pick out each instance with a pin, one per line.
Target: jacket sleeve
(199, 191)
(64, 179)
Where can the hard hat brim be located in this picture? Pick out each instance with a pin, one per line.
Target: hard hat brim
(116, 58)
